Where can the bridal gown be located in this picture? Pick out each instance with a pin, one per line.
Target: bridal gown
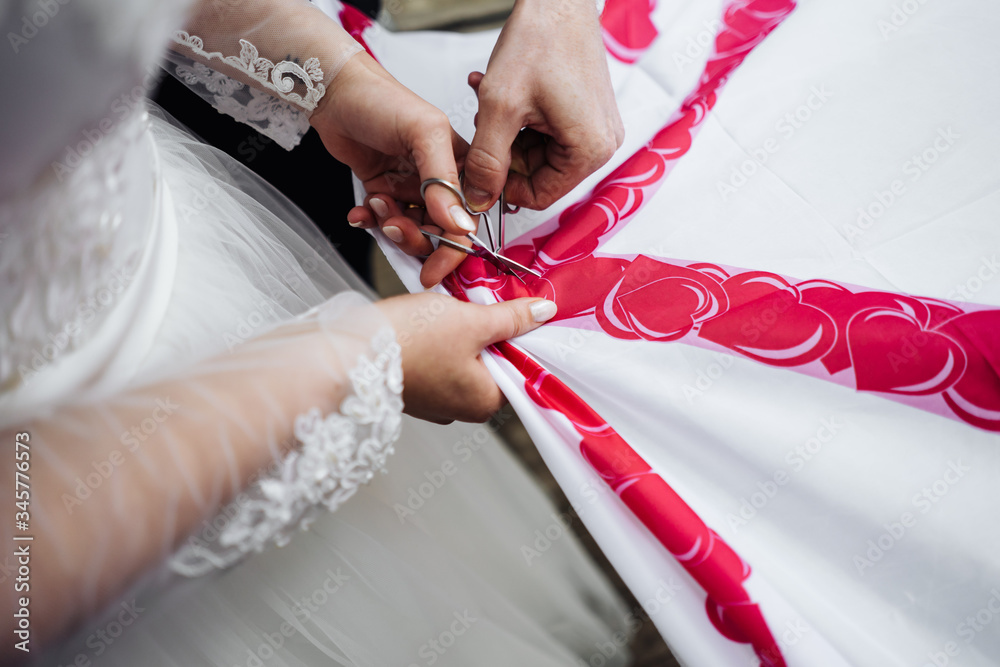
(132, 252)
(772, 391)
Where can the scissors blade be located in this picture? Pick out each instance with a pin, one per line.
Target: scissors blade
(514, 267)
(489, 231)
(502, 263)
(451, 244)
(503, 215)
(486, 253)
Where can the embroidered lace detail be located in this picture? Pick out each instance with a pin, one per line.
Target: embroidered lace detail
(271, 116)
(280, 78)
(69, 245)
(338, 453)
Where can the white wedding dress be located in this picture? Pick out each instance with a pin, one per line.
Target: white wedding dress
(131, 252)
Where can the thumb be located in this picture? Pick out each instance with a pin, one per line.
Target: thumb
(488, 159)
(510, 319)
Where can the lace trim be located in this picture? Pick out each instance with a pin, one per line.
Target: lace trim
(271, 116)
(339, 453)
(280, 78)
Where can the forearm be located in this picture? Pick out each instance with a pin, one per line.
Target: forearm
(290, 34)
(118, 485)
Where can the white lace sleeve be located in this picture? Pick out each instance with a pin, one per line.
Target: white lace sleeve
(272, 116)
(266, 65)
(337, 454)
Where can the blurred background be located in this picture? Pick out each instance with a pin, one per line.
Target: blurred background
(322, 187)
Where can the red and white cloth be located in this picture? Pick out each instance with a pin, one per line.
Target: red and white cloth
(772, 391)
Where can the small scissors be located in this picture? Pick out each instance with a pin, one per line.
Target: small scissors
(488, 253)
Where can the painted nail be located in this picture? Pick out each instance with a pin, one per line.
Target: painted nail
(478, 199)
(359, 223)
(543, 310)
(395, 234)
(462, 219)
(380, 207)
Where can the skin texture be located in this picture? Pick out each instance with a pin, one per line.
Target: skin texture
(547, 119)
(393, 140)
(444, 378)
(548, 74)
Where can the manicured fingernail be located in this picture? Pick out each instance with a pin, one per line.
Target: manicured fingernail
(478, 199)
(380, 207)
(543, 310)
(462, 219)
(359, 223)
(395, 234)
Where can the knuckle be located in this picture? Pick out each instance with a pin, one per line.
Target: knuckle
(495, 98)
(619, 132)
(430, 129)
(480, 160)
(604, 148)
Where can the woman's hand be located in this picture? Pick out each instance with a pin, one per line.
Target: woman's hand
(549, 74)
(394, 140)
(444, 378)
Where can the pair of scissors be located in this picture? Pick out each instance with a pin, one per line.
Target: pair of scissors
(489, 253)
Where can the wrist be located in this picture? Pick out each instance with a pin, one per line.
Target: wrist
(342, 70)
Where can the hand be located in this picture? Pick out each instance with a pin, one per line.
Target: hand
(393, 140)
(548, 73)
(444, 378)
(402, 227)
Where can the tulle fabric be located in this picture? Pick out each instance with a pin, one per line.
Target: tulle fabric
(402, 581)
(247, 258)
(363, 587)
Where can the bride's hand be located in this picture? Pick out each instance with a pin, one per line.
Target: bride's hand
(393, 140)
(444, 378)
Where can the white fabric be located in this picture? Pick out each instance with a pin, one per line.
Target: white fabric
(235, 56)
(874, 84)
(232, 274)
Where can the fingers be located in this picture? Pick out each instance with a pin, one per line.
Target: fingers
(361, 217)
(498, 124)
(514, 318)
(547, 170)
(475, 78)
(398, 228)
(434, 148)
(442, 262)
(403, 227)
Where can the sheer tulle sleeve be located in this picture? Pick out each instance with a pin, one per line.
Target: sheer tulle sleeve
(230, 456)
(266, 63)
